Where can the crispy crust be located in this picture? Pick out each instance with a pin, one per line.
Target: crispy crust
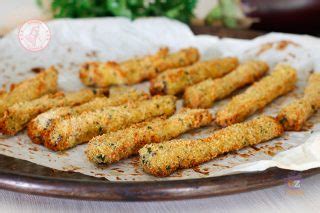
(279, 82)
(164, 158)
(312, 90)
(174, 81)
(41, 84)
(205, 93)
(115, 91)
(114, 146)
(77, 129)
(44, 121)
(293, 116)
(3, 94)
(18, 115)
(135, 70)
(114, 100)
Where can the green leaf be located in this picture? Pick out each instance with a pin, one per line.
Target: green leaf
(214, 15)
(177, 9)
(39, 3)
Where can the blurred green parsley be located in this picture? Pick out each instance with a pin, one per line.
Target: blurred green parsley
(181, 10)
(229, 13)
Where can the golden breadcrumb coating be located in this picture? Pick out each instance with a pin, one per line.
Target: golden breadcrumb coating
(77, 129)
(120, 90)
(293, 116)
(114, 146)
(205, 93)
(17, 116)
(174, 81)
(279, 82)
(43, 83)
(44, 121)
(114, 100)
(3, 94)
(135, 70)
(162, 159)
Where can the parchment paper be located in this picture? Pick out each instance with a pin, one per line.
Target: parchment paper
(76, 41)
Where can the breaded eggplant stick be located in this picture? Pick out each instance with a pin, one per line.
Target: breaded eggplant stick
(164, 158)
(281, 81)
(78, 129)
(135, 70)
(120, 90)
(293, 116)
(18, 115)
(43, 83)
(44, 121)
(175, 81)
(205, 93)
(114, 146)
(2, 94)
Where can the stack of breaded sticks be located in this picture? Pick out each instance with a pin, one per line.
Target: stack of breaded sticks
(130, 122)
(29, 98)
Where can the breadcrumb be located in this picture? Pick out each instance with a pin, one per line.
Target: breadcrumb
(27, 90)
(114, 146)
(174, 81)
(17, 116)
(205, 93)
(281, 81)
(77, 129)
(135, 70)
(293, 116)
(44, 121)
(162, 159)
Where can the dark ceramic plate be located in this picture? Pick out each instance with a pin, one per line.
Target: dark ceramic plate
(22, 176)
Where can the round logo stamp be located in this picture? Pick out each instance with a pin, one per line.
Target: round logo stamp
(34, 35)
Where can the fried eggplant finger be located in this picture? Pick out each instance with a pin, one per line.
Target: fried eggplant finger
(44, 121)
(174, 81)
(27, 90)
(135, 70)
(293, 116)
(114, 146)
(205, 93)
(281, 81)
(17, 116)
(77, 129)
(162, 159)
(2, 94)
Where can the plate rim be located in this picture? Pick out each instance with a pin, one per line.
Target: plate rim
(147, 190)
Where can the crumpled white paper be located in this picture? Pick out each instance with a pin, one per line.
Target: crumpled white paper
(76, 41)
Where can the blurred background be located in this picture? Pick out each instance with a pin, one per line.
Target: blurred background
(295, 16)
